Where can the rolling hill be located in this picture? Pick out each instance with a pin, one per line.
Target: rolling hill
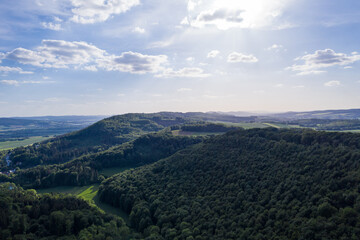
(247, 184)
(104, 134)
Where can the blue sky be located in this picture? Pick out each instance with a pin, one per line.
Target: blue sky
(110, 57)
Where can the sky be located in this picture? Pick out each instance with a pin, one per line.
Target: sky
(107, 57)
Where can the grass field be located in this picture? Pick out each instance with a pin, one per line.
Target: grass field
(13, 144)
(88, 193)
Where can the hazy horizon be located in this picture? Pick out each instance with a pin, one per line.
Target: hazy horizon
(77, 57)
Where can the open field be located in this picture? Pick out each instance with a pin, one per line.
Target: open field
(13, 144)
(88, 193)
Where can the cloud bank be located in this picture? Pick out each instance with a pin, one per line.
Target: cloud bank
(316, 63)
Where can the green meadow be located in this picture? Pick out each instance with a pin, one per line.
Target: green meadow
(14, 144)
(88, 193)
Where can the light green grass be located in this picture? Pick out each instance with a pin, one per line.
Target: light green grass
(88, 193)
(65, 189)
(14, 144)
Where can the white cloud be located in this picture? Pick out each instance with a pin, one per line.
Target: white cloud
(275, 47)
(82, 55)
(10, 82)
(332, 84)
(134, 63)
(184, 90)
(314, 63)
(280, 85)
(139, 30)
(190, 59)
(92, 11)
(299, 86)
(213, 54)
(57, 54)
(236, 57)
(52, 26)
(91, 68)
(13, 69)
(225, 14)
(184, 72)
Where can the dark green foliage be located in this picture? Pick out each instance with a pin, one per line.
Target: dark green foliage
(206, 127)
(84, 170)
(254, 184)
(26, 215)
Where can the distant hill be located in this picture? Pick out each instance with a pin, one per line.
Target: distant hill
(253, 184)
(323, 114)
(26, 127)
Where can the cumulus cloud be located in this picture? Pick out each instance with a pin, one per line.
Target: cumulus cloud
(332, 84)
(225, 14)
(321, 59)
(56, 54)
(184, 72)
(134, 63)
(236, 57)
(213, 54)
(13, 69)
(64, 54)
(52, 26)
(92, 11)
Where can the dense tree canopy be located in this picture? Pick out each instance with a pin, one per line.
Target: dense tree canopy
(254, 184)
(84, 170)
(27, 215)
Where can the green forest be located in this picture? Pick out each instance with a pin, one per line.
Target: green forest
(254, 184)
(24, 214)
(217, 182)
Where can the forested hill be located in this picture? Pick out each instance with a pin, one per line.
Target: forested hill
(85, 170)
(97, 137)
(254, 184)
(104, 134)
